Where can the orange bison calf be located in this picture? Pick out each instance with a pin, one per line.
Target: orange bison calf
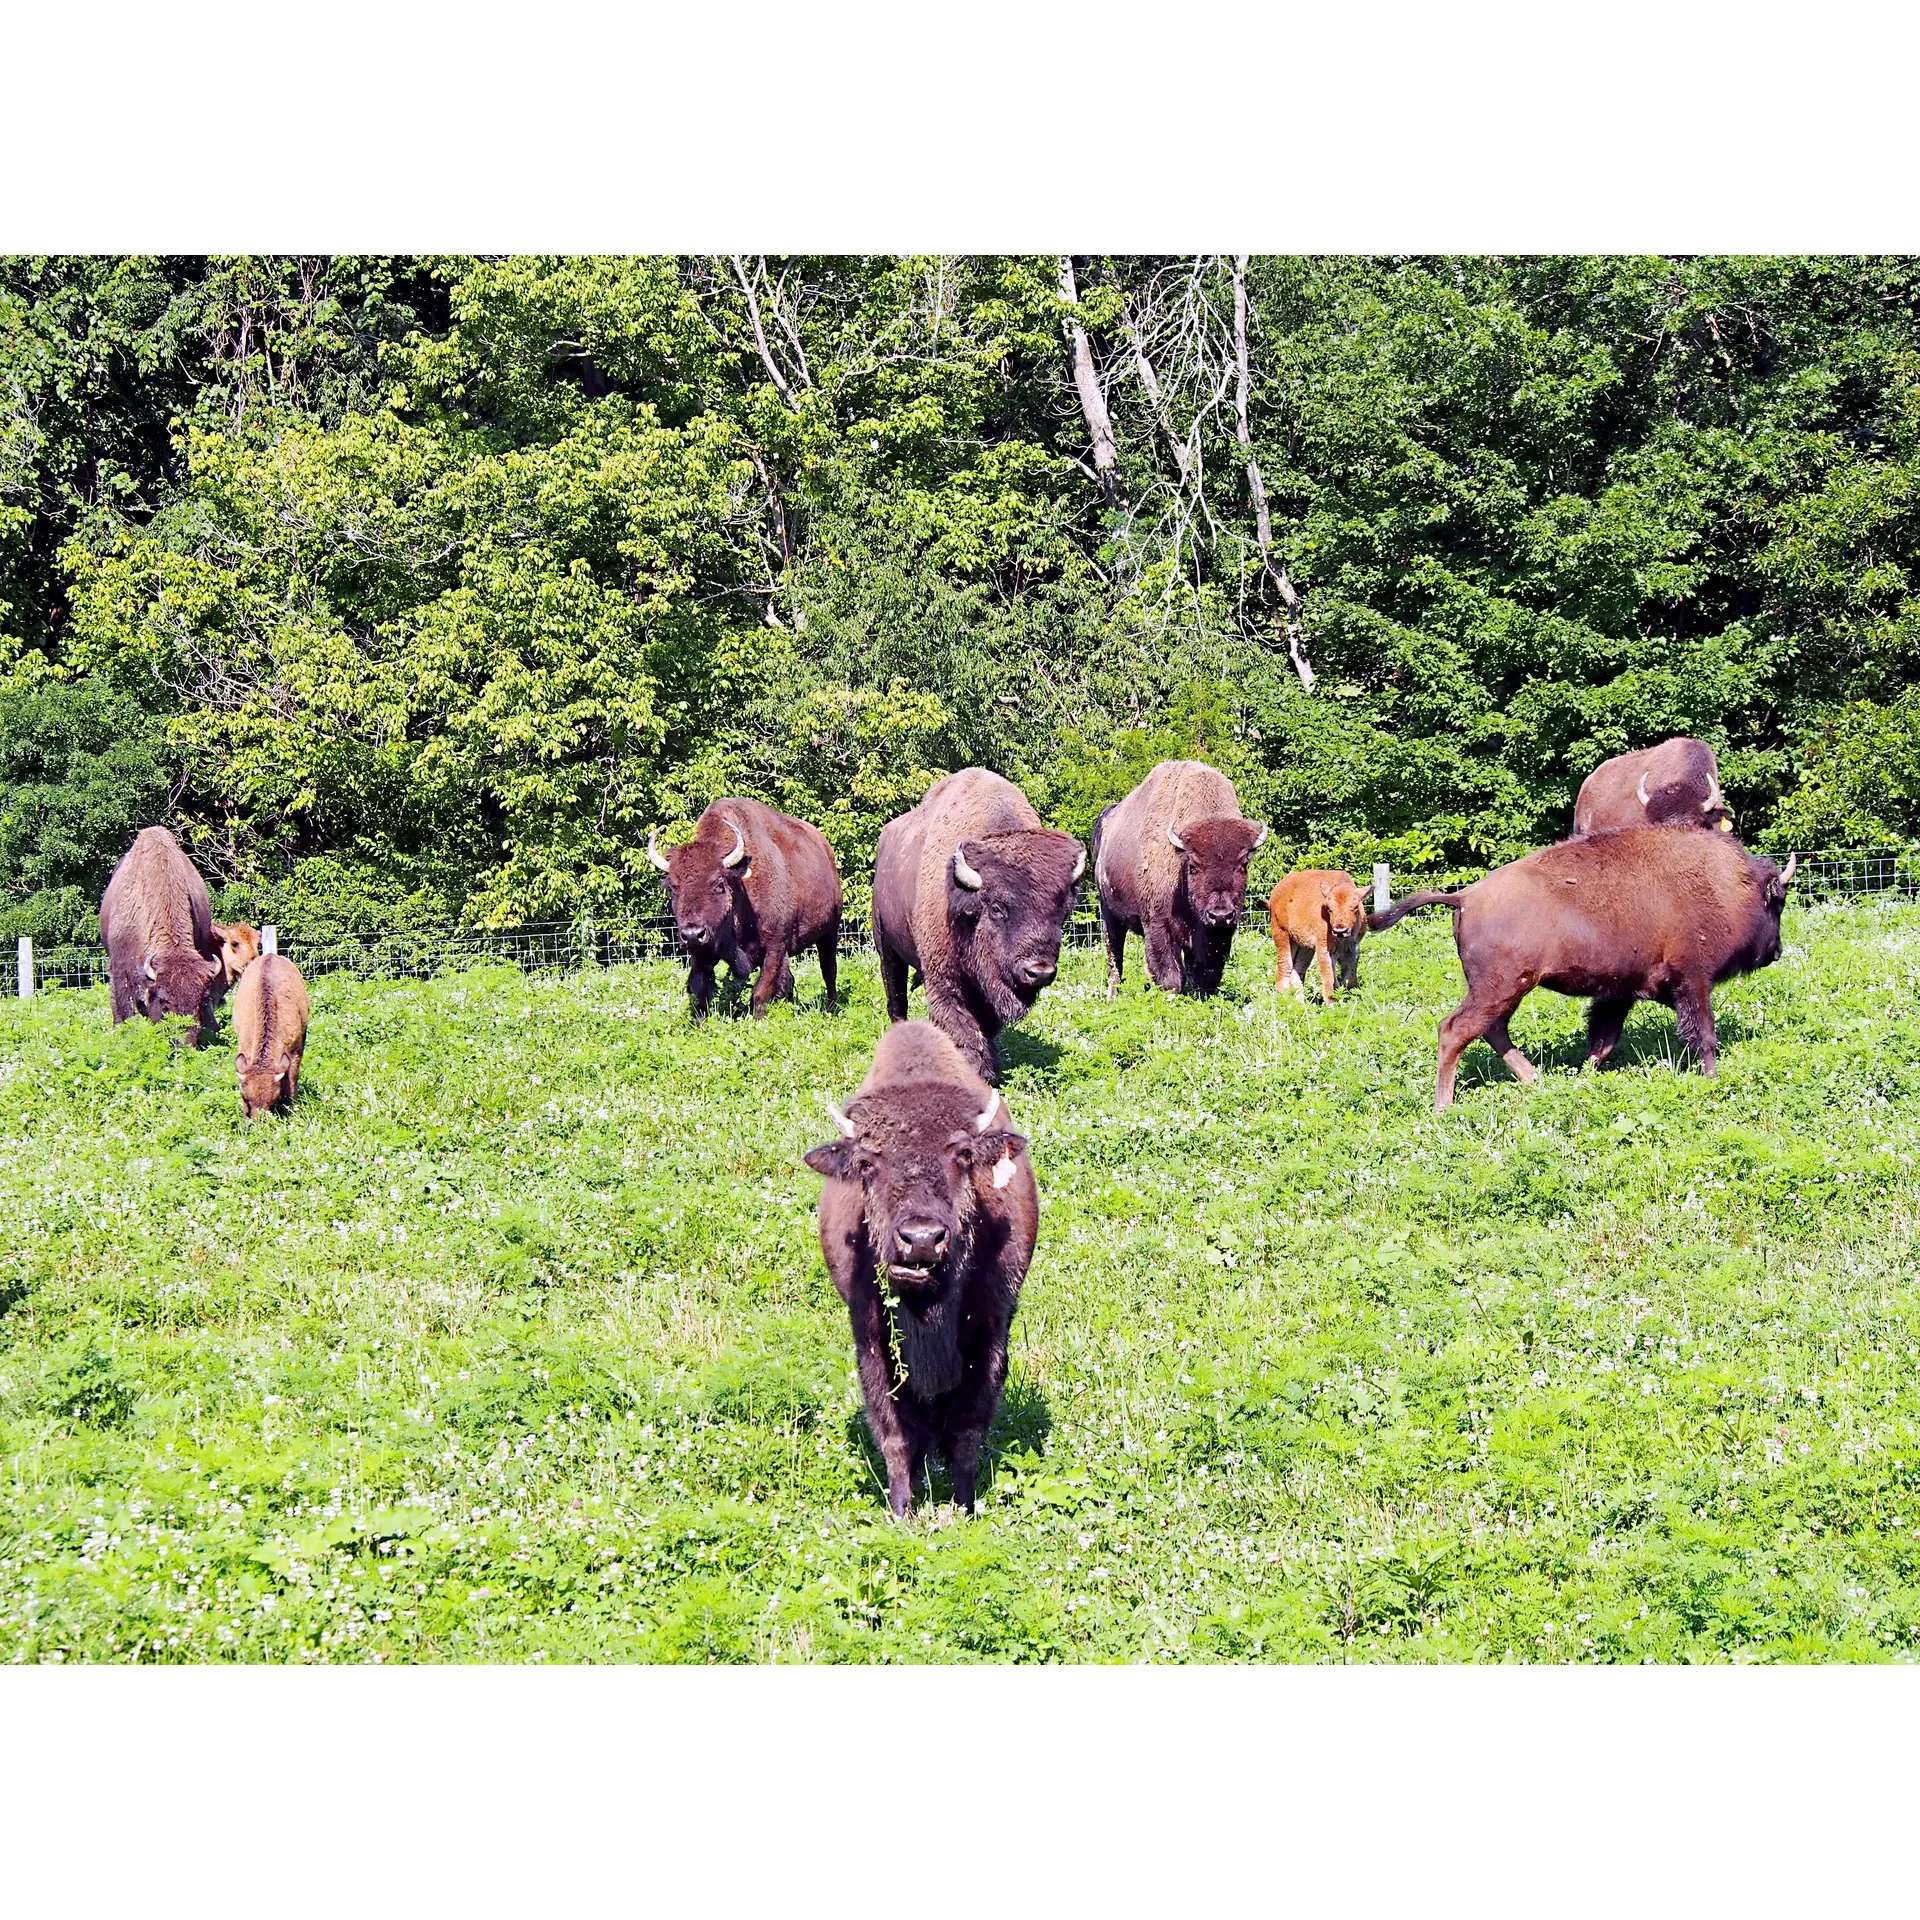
(1642, 914)
(270, 1023)
(238, 948)
(1317, 917)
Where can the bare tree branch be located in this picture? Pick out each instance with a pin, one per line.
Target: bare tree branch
(760, 334)
(1093, 403)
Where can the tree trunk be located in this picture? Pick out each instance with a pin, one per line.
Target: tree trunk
(1162, 414)
(1093, 403)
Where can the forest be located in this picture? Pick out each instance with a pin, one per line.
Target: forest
(414, 592)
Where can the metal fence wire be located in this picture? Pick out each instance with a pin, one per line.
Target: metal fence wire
(558, 946)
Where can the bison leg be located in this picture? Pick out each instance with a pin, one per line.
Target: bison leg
(956, 1020)
(122, 996)
(775, 981)
(874, 1354)
(893, 977)
(1605, 1019)
(1166, 966)
(700, 984)
(1324, 961)
(830, 964)
(1501, 1041)
(1116, 933)
(1350, 963)
(969, 1418)
(1286, 966)
(1693, 1014)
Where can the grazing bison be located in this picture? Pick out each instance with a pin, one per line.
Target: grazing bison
(237, 948)
(158, 932)
(270, 1025)
(1317, 916)
(1676, 784)
(1170, 863)
(928, 1222)
(752, 887)
(1642, 914)
(971, 892)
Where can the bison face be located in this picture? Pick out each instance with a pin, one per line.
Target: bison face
(1771, 883)
(1009, 895)
(919, 1172)
(261, 1088)
(700, 877)
(1213, 863)
(239, 948)
(177, 982)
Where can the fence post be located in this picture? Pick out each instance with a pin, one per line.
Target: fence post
(26, 966)
(1382, 887)
(269, 939)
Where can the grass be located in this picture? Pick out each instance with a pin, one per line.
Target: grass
(514, 1342)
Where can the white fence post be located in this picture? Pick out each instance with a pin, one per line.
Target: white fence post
(26, 967)
(1382, 887)
(269, 939)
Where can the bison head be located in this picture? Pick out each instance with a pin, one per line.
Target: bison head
(1009, 895)
(239, 946)
(178, 981)
(921, 1158)
(1763, 936)
(1346, 912)
(700, 877)
(261, 1087)
(1213, 863)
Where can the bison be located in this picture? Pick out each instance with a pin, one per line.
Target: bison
(928, 1221)
(1640, 914)
(972, 893)
(1676, 784)
(1170, 864)
(157, 928)
(1317, 916)
(238, 948)
(270, 1026)
(752, 887)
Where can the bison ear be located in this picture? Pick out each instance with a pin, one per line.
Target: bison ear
(837, 1160)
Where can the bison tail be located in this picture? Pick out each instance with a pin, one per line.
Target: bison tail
(1430, 897)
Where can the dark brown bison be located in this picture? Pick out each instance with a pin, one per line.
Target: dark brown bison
(1170, 863)
(1676, 784)
(752, 887)
(1642, 914)
(971, 892)
(928, 1222)
(270, 1029)
(1317, 917)
(158, 932)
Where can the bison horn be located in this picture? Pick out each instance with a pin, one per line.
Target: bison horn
(1642, 789)
(841, 1121)
(146, 967)
(1712, 800)
(964, 873)
(1260, 838)
(1079, 866)
(1174, 840)
(654, 854)
(986, 1113)
(739, 852)
(1793, 860)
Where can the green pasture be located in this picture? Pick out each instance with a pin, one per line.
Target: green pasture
(514, 1342)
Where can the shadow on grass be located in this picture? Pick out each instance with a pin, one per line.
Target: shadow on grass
(1030, 1051)
(1649, 1040)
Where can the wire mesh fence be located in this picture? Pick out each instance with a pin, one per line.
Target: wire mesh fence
(566, 946)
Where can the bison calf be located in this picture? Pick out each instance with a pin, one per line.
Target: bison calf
(1676, 784)
(270, 1025)
(157, 928)
(1317, 918)
(237, 947)
(1170, 863)
(753, 887)
(1645, 914)
(928, 1222)
(971, 892)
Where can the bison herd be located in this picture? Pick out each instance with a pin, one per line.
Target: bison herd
(930, 1210)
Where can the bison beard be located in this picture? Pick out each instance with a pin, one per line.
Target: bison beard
(1643, 914)
(927, 1221)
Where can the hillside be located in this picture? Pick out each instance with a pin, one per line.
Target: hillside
(515, 1342)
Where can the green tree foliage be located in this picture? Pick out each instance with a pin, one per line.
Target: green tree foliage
(405, 582)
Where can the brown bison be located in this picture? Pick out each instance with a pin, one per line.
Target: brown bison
(158, 932)
(1676, 784)
(971, 892)
(1642, 914)
(1170, 864)
(928, 1222)
(237, 948)
(753, 888)
(1317, 916)
(270, 1026)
